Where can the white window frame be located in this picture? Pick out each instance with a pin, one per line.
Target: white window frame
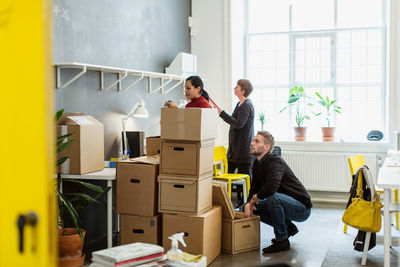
(332, 32)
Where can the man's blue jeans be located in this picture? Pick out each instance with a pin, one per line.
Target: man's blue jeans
(279, 208)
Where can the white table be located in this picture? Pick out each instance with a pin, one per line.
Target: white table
(108, 174)
(388, 179)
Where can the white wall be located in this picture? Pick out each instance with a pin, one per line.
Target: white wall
(394, 64)
(209, 44)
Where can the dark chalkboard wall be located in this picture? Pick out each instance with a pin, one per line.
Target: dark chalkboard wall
(134, 34)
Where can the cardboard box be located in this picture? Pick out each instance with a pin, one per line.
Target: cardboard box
(187, 158)
(202, 232)
(189, 195)
(86, 153)
(140, 229)
(153, 145)
(191, 124)
(136, 190)
(239, 234)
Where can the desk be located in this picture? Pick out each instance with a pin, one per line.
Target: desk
(388, 179)
(108, 174)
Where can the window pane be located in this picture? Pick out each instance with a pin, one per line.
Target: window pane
(345, 63)
(369, 13)
(306, 13)
(268, 16)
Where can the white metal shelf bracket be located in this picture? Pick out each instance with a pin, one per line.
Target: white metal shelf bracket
(120, 78)
(165, 78)
(161, 86)
(172, 87)
(133, 83)
(59, 86)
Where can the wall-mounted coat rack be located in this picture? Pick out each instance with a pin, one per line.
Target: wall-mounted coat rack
(123, 73)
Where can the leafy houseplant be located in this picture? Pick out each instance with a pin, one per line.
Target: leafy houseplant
(69, 204)
(297, 98)
(329, 108)
(262, 119)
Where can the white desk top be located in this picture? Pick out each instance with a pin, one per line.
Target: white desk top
(106, 174)
(389, 175)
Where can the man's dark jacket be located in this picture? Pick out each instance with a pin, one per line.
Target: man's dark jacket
(271, 175)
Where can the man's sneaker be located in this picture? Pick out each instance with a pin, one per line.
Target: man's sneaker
(278, 246)
(291, 230)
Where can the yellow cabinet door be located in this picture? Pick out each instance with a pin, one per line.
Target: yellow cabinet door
(27, 204)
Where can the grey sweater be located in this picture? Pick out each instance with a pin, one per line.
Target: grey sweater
(241, 132)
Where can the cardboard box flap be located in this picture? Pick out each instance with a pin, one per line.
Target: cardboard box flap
(64, 117)
(221, 198)
(77, 119)
(146, 159)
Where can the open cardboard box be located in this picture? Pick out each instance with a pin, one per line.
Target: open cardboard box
(239, 234)
(86, 153)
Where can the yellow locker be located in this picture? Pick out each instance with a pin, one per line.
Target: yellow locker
(26, 135)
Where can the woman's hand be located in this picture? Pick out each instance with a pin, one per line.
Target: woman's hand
(170, 104)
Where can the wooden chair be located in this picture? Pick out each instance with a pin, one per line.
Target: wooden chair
(355, 162)
(222, 173)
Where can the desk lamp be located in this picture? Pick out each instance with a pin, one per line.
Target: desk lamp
(138, 111)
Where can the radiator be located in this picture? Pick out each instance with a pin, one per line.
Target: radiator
(325, 171)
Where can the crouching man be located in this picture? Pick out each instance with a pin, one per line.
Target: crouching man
(276, 195)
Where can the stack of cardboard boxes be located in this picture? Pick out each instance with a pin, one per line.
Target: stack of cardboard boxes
(185, 180)
(136, 200)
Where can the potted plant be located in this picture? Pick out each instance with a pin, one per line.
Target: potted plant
(297, 98)
(262, 119)
(329, 107)
(70, 239)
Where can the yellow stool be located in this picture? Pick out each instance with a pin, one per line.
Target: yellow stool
(223, 175)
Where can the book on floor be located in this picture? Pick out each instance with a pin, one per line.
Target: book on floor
(128, 255)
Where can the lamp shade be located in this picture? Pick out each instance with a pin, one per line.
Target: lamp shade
(141, 112)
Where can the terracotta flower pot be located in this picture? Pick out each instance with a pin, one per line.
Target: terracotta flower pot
(70, 243)
(71, 261)
(300, 133)
(328, 134)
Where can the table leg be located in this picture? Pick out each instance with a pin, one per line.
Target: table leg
(109, 214)
(387, 232)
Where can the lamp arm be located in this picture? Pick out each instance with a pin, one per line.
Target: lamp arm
(125, 152)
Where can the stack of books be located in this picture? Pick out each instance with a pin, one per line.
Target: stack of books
(127, 255)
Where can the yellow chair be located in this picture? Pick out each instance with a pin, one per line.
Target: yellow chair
(355, 162)
(223, 175)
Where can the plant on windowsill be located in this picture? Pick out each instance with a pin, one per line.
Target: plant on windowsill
(262, 119)
(70, 239)
(297, 98)
(329, 107)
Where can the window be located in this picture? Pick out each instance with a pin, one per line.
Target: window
(334, 47)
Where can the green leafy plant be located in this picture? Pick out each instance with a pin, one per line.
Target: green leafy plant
(329, 106)
(297, 98)
(69, 204)
(262, 119)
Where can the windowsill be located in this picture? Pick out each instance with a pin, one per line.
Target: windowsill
(319, 146)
